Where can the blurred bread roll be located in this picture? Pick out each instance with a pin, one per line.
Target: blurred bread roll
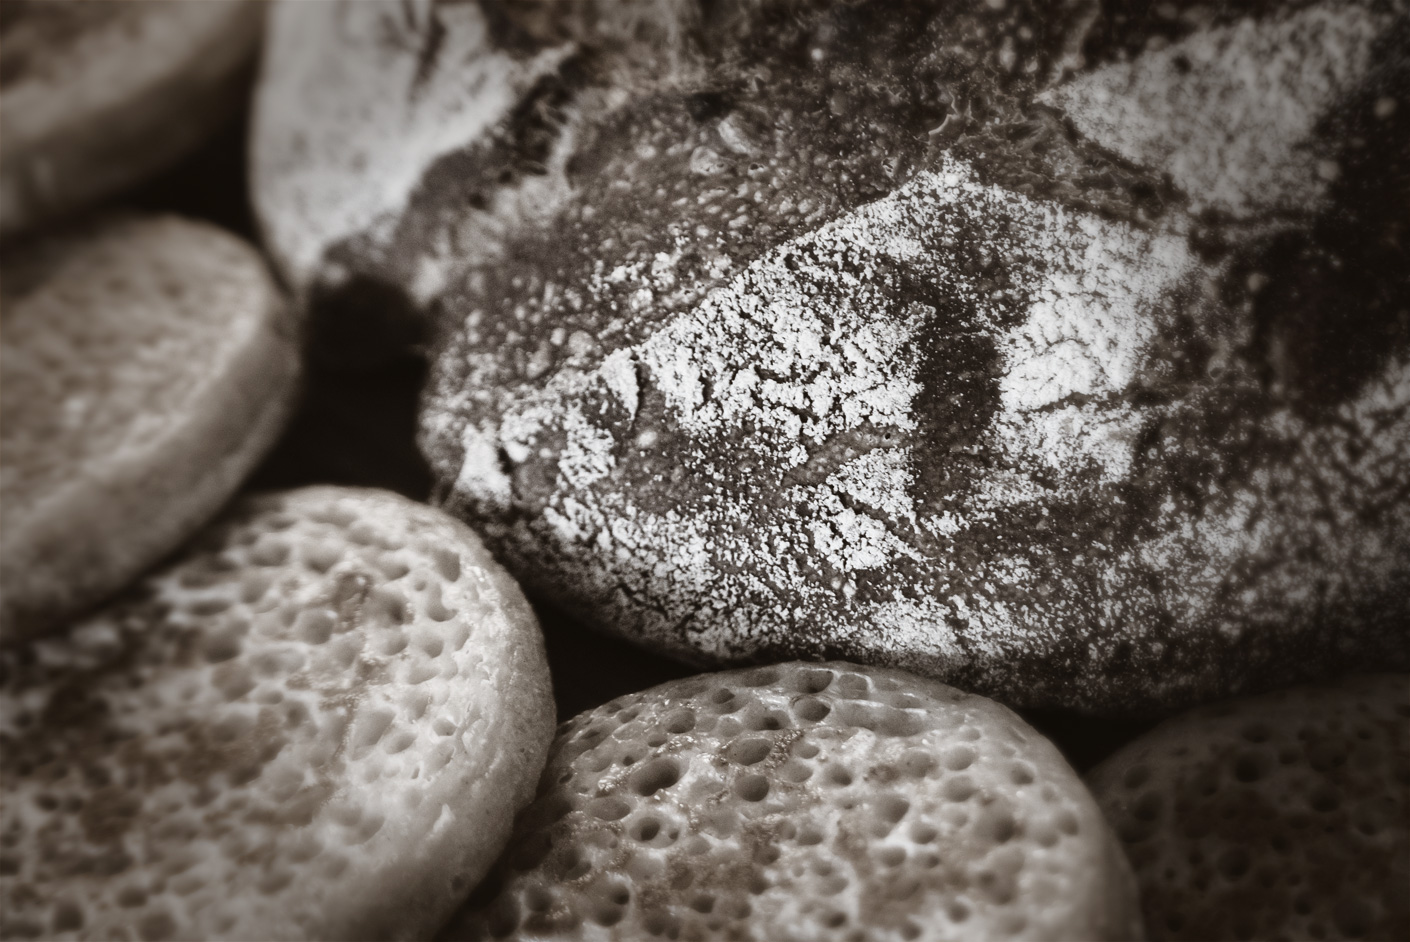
(148, 363)
(1284, 816)
(95, 95)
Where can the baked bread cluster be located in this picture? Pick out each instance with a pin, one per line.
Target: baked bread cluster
(835, 377)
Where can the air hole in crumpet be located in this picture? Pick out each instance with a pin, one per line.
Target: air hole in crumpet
(727, 830)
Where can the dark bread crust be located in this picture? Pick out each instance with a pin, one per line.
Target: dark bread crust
(1234, 516)
(843, 330)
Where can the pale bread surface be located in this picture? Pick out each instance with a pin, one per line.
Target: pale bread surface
(98, 95)
(1280, 816)
(147, 364)
(806, 802)
(317, 724)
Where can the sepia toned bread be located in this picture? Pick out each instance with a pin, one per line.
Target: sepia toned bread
(1280, 816)
(806, 801)
(96, 95)
(1044, 353)
(317, 723)
(147, 364)
(1055, 351)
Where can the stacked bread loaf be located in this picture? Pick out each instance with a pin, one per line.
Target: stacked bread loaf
(903, 364)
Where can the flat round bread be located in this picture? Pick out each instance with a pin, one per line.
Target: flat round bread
(1285, 816)
(97, 94)
(147, 365)
(806, 802)
(317, 724)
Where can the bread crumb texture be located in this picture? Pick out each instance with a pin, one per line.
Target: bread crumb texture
(1285, 816)
(316, 725)
(809, 802)
(1064, 358)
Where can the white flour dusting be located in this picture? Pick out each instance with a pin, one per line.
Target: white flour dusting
(797, 349)
(345, 130)
(1228, 112)
(912, 433)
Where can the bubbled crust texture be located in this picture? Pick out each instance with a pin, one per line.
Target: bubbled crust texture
(805, 801)
(317, 725)
(1285, 816)
(888, 332)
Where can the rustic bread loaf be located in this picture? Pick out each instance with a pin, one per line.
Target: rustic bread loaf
(96, 95)
(318, 723)
(806, 801)
(1281, 816)
(1053, 350)
(147, 364)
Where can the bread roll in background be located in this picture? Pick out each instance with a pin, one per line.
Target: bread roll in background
(148, 365)
(1284, 816)
(96, 95)
(317, 723)
(813, 801)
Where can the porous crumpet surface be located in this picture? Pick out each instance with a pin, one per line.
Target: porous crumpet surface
(317, 724)
(1273, 817)
(811, 802)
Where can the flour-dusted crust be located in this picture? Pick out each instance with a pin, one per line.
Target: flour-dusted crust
(1050, 355)
(1280, 816)
(148, 363)
(394, 144)
(806, 802)
(96, 95)
(317, 724)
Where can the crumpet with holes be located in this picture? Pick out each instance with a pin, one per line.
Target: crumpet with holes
(317, 724)
(807, 802)
(1282, 816)
(148, 363)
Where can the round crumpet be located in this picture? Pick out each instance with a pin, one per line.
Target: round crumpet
(318, 724)
(96, 95)
(806, 801)
(148, 363)
(1284, 816)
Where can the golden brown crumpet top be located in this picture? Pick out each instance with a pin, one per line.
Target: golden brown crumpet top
(147, 364)
(316, 724)
(96, 95)
(805, 802)
(1285, 816)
